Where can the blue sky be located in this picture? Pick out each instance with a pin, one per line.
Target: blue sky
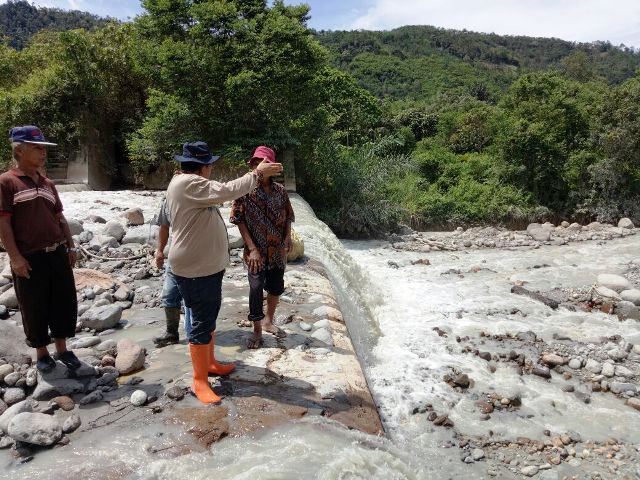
(580, 20)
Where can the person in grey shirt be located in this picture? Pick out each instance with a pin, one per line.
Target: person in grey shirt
(171, 298)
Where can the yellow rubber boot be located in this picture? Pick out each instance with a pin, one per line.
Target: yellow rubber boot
(200, 387)
(216, 367)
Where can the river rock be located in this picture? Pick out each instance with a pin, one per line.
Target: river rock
(575, 363)
(102, 318)
(477, 454)
(634, 403)
(529, 471)
(122, 294)
(9, 298)
(305, 326)
(134, 217)
(621, 387)
(540, 233)
(608, 369)
(322, 324)
(71, 424)
(617, 354)
(541, 371)
(175, 393)
(5, 370)
(65, 403)
(35, 428)
(632, 296)
(323, 335)
(114, 229)
(93, 397)
(14, 395)
(626, 223)
(627, 310)
(75, 226)
(86, 342)
(3, 407)
(462, 380)
(130, 357)
(607, 293)
(553, 359)
(622, 371)
(85, 237)
(328, 312)
(235, 239)
(527, 336)
(138, 398)
(108, 347)
(12, 411)
(616, 283)
(12, 378)
(103, 241)
(48, 389)
(593, 366)
(141, 235)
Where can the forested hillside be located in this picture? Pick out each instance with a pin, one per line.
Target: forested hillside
(20, 20)
(418, 125)
(417, 62)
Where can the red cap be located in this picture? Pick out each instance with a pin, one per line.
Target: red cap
(264, 153)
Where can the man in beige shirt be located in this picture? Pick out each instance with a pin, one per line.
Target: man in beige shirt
(200, 251)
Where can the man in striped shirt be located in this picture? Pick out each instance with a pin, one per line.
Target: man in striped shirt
(36, 236)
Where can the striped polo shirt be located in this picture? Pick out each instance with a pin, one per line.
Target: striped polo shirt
(34, 208)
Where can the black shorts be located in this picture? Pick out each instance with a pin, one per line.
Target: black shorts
(47, 299)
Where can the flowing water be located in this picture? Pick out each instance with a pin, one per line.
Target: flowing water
(391, 314)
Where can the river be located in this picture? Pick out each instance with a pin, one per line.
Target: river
(391, 314)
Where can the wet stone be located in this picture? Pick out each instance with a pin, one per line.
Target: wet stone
(541, 371)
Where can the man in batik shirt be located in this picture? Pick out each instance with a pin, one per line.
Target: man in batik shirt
(264, 219)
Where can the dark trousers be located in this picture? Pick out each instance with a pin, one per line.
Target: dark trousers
(47, 299)
(271, 280)
(203, 296)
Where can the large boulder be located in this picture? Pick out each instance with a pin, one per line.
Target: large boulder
(130, 357)
(134, 217)
(9, 298)
(616, 283)
(297, 247)
(102, 318)
(35, 428)
(114, 229)
(540, 233)
(626, 223)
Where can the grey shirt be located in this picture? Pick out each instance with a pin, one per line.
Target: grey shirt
(163, 215)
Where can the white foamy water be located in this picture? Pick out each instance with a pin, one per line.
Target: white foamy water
(409, 359)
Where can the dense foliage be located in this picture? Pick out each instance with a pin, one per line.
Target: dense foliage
(418, 125)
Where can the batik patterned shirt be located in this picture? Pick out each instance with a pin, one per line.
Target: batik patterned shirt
(267, 216)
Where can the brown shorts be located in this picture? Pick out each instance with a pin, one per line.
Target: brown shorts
(47, 299)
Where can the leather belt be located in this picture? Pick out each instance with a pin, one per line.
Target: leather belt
(53, 248)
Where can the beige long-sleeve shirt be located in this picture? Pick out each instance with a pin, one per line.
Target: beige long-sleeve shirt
(200, 244)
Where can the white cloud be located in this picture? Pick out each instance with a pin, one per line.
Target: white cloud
(579, 20)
